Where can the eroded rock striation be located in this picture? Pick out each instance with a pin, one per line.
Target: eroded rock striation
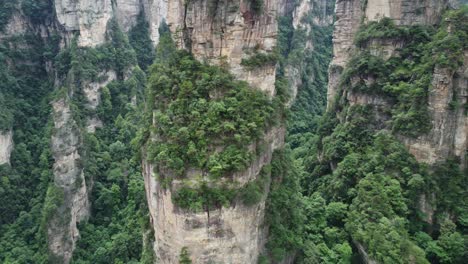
(6, 146)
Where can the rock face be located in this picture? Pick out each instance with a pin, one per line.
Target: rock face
(6, 146)
(90, 17)
(235, 234)
(448, 135)
(449, 132)
(349, 14)
(221, 33)
(225, 32)
(68, 176)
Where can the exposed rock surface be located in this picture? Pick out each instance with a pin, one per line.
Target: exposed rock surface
(405, 12)
(449, 132)
(233, 234)
(365, 257)
(6, 146)
(92, 89)
(447, 94)
(90, 17)
(448, 135)
(224, 32)
(350, 13)
(348, 16)
(68, 176)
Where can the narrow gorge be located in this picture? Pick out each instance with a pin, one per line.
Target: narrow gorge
(233, 131)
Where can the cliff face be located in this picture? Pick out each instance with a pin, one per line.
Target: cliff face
(90, 18)
(68, 176)
(349, 15)
(6, 146)
(225, 32)
(234, 234)
(221, 33)
(445, 91)
(448, 133)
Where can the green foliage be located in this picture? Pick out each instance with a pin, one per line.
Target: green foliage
(259, 59)
(451, 39)
(184, 257)
(406, 77)
(119, 212)
(25, 88)
(53, 200)
(204, 197)
(86, 64)
(200, 108)
(311, 96)
(285, 233)
(448, 182)
(6, 115)
(6, 10)
(384, 28)
(141, 42)
(37, 10)
(253, 192)
(256, 6)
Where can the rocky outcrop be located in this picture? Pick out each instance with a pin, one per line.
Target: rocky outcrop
(62, 228)
(350, 13)
(233, 234)
(448, 136)
(6, 146)
(348, 16)
(224, 32)
(92, 89)
(426, 12)
(364, 256)
(90, 17)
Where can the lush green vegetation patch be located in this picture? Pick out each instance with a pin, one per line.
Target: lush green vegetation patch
(260, 59)
(203, 117)
(406, 77)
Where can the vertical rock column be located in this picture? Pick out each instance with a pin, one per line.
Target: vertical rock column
(222, 33)
(68, 177)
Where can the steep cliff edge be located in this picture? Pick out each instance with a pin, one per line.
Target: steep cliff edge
(398, 72)
(227, 32)
(231, 35)
(70, 181)
(222, 33)
(448, 133)
(57, 59)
